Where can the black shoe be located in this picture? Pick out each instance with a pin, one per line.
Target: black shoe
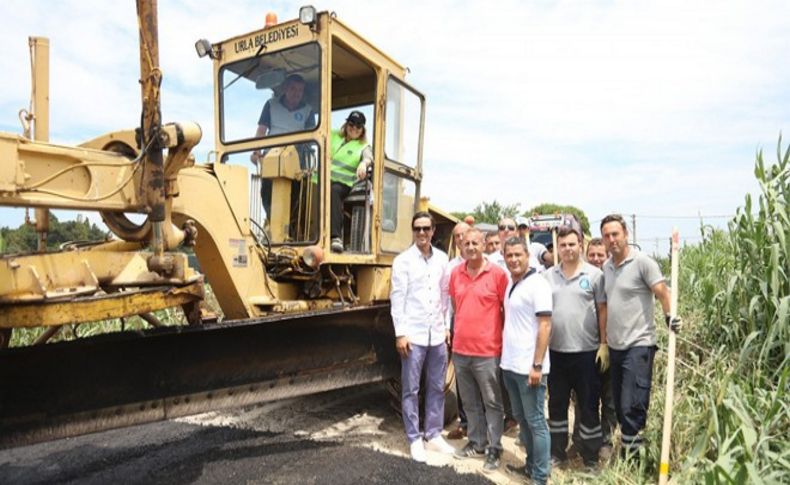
(492, 460)
(468, 451)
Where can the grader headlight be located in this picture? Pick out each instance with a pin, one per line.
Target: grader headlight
(204, 48)
(308, 15)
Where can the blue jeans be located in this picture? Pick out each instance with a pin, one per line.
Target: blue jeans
(527, 403)
(434, 360)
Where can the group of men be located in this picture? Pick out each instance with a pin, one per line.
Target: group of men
(517, 326)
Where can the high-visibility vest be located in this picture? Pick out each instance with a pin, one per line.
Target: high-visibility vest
(346, 156)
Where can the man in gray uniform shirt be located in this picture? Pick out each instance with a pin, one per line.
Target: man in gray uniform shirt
(578, 340)
(631, 281)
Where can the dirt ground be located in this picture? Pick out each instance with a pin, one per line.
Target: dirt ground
(338, 437)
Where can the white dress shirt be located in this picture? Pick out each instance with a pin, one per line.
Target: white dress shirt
(418, 296)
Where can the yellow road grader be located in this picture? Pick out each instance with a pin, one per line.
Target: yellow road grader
(298, 318)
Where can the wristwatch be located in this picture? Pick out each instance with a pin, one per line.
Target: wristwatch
(537, 366)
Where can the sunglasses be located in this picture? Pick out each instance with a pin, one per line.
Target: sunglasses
(422, 228)
(507, 227)
(355, 125)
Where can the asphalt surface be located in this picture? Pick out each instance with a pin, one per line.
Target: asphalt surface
(182, 452)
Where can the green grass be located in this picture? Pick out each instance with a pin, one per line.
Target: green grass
(731, 419)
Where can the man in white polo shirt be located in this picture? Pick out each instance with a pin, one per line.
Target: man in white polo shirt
(525, 357)
(419, 302)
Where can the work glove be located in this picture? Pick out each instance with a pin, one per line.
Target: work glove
(602, 357)
(673, 323)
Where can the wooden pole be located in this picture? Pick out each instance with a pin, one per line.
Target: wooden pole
(663, 470)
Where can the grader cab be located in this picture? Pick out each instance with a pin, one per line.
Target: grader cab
(298, 318)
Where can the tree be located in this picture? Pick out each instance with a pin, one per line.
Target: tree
(490, 212)
(547, 209)
(24, 238)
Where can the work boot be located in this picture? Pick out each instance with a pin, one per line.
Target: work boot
(337, 245)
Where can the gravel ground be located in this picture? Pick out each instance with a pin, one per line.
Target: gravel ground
(340, 437)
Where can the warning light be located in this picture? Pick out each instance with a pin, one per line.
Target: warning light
(271, 20)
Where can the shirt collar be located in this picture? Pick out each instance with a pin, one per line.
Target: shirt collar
(582, 270)
(486, 266)
(418, 253)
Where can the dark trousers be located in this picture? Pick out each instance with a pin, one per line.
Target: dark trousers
(574, 371)
(608, 414)
(632, 376)
(339, 193)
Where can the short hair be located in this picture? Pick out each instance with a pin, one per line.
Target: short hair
(565, 231)
(516, 241)
(294, 78)
(421, 215)
(473, 230)
(491, 234)
(614, 218)
(596, 241)
(506, 218)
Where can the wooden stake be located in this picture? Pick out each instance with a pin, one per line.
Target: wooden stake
(663, 469)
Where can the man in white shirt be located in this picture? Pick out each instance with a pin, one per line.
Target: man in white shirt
(419, 301)
(525, 357)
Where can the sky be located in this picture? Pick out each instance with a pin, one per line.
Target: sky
(655, 109)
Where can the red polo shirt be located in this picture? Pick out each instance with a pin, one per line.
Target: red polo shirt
(478, 310)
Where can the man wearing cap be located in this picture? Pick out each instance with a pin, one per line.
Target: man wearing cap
(285, 114)
(632, 279)
(507, 229)
(578, 342)
(351, 156)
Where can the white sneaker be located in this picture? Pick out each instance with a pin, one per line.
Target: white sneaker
(418, 451)
(437, 443)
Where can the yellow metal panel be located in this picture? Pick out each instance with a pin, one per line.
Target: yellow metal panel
(89, 309)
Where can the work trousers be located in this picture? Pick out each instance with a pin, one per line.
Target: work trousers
(434, 361)
(478, 381)
(339, 193)
(632, 376)
(608, 414)
(574, 371)
(527, 403)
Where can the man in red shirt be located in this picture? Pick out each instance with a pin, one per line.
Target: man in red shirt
(477, 289)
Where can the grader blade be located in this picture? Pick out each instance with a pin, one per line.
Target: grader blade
(110, 381)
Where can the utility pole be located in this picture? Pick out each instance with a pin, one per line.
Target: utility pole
(633, 228)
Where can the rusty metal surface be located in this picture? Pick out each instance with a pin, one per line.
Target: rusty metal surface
(111, 381)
